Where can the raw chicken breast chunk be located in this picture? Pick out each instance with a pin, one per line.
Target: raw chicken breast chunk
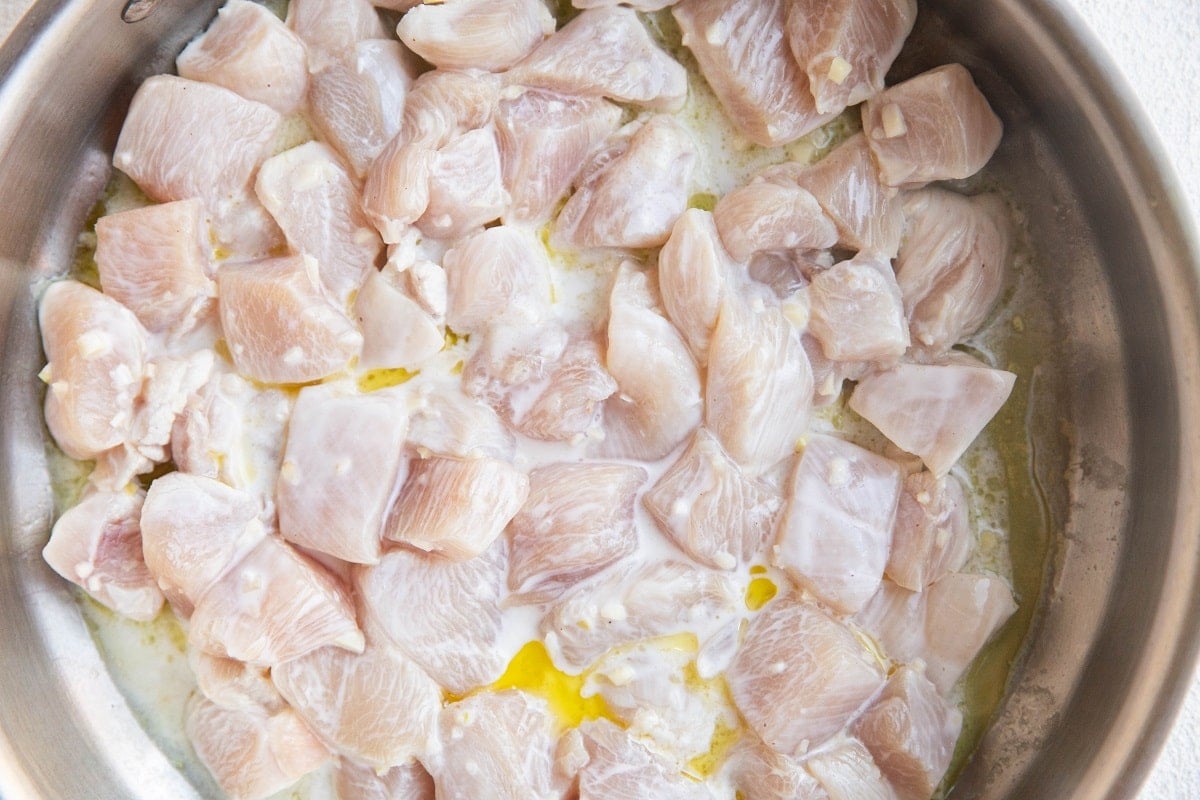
(857, 312)
(481, 34)
(770, 216)
(234, 684)
(620, 767)
(847, 772)
(934, 127)
(837, 526)
(398, 332)
(449, 423)
(764, 774)
(249, 50)
(354, 781)
(696, 274)
(569, 403)
(498, 271)
(466, 188)
(932, 536)
(332, 27)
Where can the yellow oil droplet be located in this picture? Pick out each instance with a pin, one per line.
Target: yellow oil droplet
(705, 765)
(383, 378)
(457, 368)
(221, 348)
(705, 201)
(759, 593)
(758, 569)
(453, 339)
(532, 671)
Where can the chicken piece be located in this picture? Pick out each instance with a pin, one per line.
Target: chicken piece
(623, 605)
(397, 331)
(769, 216)
(376, 706)
(696, 273)
(449, 423)
(932, 536)
(513, 355)
(234, 685)
(837, 526)
(249, 50)
(168, 384)
(577, 520)
(857, 313)
(829, 375)
(910, 732)
(480, 34)
(743, 53)
(715, 513)
(357, 102)
(620, 767)
(933, 411)
(272, 606)
(951, 264)
(498, 745)
(396, 192)
(786, 273)
(444, 615)
(278, 324)
(847, 773)
(466, 188)
(423, 281)
(895, 617)
(763, 774)
(633, 192)
(155, 261)
(343, 459)
(96, 355)
(606, 52)
(847, 46)
(446, 103)
(252, 753)
(331, 28)
(316, 204)
(409, 781)
(501, 270)
(846, 183)
(456, 508)
(658, 403)
(97, 545)
(800, 676)
(934, 127)
(545, 139)
(570, 401)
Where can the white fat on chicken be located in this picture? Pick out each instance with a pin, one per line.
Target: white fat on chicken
(766, 216)
(577, 520)
(354, 781)
(847, 772)
(398, 332)
(481, 34)
(97, 545)
(933, 411)
(932, 536)
(331, 28)
(249, 50)
(857, 312)
(836, 531)
(620, 767)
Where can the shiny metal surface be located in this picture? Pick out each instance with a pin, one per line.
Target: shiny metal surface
(1116, 422)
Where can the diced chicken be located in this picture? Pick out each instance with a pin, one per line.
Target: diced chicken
(633, 192)
(498, 745)
(456, 508)
(847, 772)
(376, 706)
(155, 261)
(847, 46)
(423, 281)
(715, 513)
(620, 767)
(252, 753)
(847, 185)
(480, 34)
(278, 324)
(249, 50)
(343, 458)
(501, 270)
(466, 188)
(951, 264)
(786, 273)
(623, 605)
(444, 615)
(449, 423)
(446, 103)
(696, 274)
(96, 354)
(396, 192)
(744, 55)
(606, 52)
(932, 536)
(397, 331)
(545, 139)
(658, 403)
(272, 606)
(570, 401)
(97, 545)
(829, 375)
(316, 204)
(800, 676)
(857, 313)
(332, 28)
(233, 684)
(911, 733)
(409, 781)
(933, 411)
(514, 354)
(758, 393)
(837, 526)
(770, 216)
(763, 774)
(936, 126)
(357, 102)
(577, 520)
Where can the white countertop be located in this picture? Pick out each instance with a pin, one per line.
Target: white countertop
(1152, 43)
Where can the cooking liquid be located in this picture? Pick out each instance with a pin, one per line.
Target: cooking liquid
(148, 661)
